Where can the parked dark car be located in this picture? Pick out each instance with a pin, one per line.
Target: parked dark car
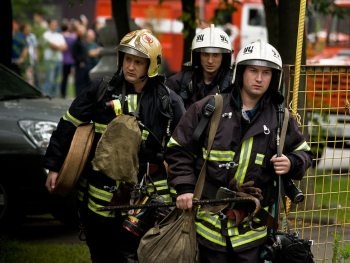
(27, 119)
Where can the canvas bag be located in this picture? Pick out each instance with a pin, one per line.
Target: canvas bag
(173, 240)
(118, 148)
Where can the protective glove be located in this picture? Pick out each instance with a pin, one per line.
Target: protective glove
(248, 188)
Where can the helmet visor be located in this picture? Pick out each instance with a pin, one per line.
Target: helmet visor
(262, 63)
(212, 50)
(131, 51)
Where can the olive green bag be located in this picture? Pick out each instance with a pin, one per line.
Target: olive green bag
(117, 150)
(173, 240)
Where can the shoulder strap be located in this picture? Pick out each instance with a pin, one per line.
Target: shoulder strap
(283, 132)
(212, 131)
(165, 100)
(186, 86)
(280, 145)
(104, 85)
(208, 110)
(163, 94)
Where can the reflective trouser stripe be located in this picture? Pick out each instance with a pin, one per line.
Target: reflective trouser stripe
(94, 208)
(209, 227)
(162, 189)
(236, 241)
(100, 195)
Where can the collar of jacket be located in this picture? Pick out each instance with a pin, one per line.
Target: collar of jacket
(236, 100)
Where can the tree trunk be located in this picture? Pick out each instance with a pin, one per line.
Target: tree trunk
(189, 31)
(272, 23)
(283, 34)
(282, 22)
(289, 21)
(6, 32)
(121, 19)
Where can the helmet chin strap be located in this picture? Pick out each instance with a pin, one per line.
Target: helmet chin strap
(143, 78)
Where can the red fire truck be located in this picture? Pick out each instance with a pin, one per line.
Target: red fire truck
(247, 23)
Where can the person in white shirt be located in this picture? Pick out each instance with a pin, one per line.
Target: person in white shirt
(55, 44)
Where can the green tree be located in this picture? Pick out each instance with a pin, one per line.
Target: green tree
(30, 8)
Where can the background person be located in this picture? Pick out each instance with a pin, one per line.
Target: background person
(54, 45)
(210, 69)
(19, 49)
(80, 55)
(32, 74)
(93, 49)
(68, 32)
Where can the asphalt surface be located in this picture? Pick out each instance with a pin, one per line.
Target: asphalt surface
(45, 229)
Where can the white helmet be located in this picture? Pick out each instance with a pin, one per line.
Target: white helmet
(144, 44)
(259, 53)
(211, 40)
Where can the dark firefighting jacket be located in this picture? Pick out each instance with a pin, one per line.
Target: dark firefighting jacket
(240, 151)
(190, 86)
(159, 110)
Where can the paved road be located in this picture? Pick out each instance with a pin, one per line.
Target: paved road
(45, 228)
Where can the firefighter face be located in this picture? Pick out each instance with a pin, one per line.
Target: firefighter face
(256, 81)
(211, 62)
(135, 68)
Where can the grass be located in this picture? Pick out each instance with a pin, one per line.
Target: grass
(331, 194)
(12, 251)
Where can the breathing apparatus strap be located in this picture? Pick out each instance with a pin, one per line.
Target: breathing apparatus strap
(208, 110)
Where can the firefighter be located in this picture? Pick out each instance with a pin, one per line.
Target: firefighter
(243, 157)
(136, 88)
(210, 69)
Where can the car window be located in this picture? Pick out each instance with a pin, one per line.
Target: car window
(13, 86)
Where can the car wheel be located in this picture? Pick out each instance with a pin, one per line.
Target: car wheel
(3, 202)
(11, 213)
(65, 209)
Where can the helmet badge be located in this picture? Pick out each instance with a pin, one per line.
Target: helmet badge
(248, 50)
(147, 39)
(223, 39)
(200, 38)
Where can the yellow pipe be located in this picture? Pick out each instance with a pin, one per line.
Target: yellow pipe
(299, 48)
